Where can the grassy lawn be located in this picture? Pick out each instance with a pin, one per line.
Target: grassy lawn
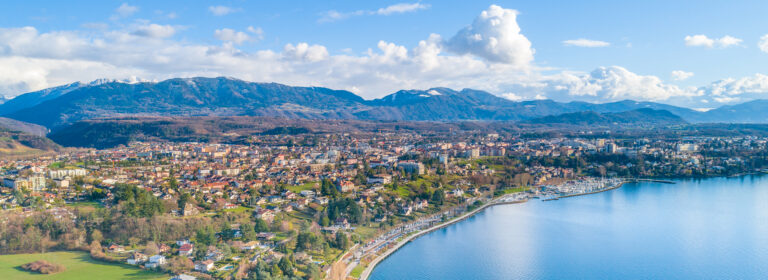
(239, 209)
(304, 187)
(366, 233)
(79, 265)
(515, 190)
(357, 271)
(85, 204)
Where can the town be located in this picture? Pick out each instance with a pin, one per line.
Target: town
(314, 206)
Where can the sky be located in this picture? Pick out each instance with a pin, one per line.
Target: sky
(697, 54)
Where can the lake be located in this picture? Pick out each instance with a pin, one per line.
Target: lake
(696, 229)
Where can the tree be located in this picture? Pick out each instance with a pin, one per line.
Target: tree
(313, 272)
(183, 200)
(261, 226)
(355, 214)
(96, 236)
(286, 266)
(248, 232)
(151, 249)
(438, 197)
(305, 241)
(342, 242)
(324, 221)
(206, 236)
(179, 264)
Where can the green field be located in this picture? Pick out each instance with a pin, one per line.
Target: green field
(79, 265)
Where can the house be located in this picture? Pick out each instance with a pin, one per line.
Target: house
(190, 210)
(265, 214)
(345, 186)
(252, 245)
(410, 166)
(114, 248)
(155, 261)
(406, 210)
(183, 277)
(214, 255)
(186, 249)
(137, 258)
(204, 266)
(341, 223)
(307, 193)
(379, 179)
(164, 248)
(266, 235)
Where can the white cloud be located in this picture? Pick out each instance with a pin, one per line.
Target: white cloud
(155, 31)
(229, 35)
(704, 41)
(399, 8)
(305, 52)
(680, 75)
(126, 10)
(32, 60)
(512, 96)
(258, 32)
(612, 83)
(494, 36)
(221, 10)
(586, 43)
(763, 44)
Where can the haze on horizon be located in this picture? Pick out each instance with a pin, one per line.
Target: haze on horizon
(682, 53)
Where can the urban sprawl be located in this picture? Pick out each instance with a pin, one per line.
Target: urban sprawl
(312, 206)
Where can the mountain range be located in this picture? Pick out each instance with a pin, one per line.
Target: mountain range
(643, 117)
(59, 107)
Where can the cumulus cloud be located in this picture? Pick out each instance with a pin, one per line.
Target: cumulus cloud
(155, 31)
(32, 60)
(399, 8)
(221, 10)
(126, 10)
(258, 32)
(229, 35)
(612, 83)
(680, 75)
(494, 36)
(586, 43)
(763, 44)
(704, 41)
(305, 52)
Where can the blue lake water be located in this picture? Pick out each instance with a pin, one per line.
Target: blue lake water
(695, 229)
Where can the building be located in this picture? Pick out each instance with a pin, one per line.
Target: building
(69, 172)
(379, 179)
(183, 277)
(32, 183)
(345, 186)
(186, 249)
(155, 261)
(410, 166)
(204, 266)
(687, 148)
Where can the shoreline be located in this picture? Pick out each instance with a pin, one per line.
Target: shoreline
(594, 192)
(369, 268)
(372, 265)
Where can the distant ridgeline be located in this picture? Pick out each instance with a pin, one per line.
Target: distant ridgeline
(133, 110)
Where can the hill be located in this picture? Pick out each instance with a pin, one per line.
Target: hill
(16, 143)
(635, 118)
(59, 107)
(189, 97)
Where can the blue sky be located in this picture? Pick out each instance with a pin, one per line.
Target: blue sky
(595, 51)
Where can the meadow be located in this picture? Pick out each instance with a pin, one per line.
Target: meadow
(79, 265)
